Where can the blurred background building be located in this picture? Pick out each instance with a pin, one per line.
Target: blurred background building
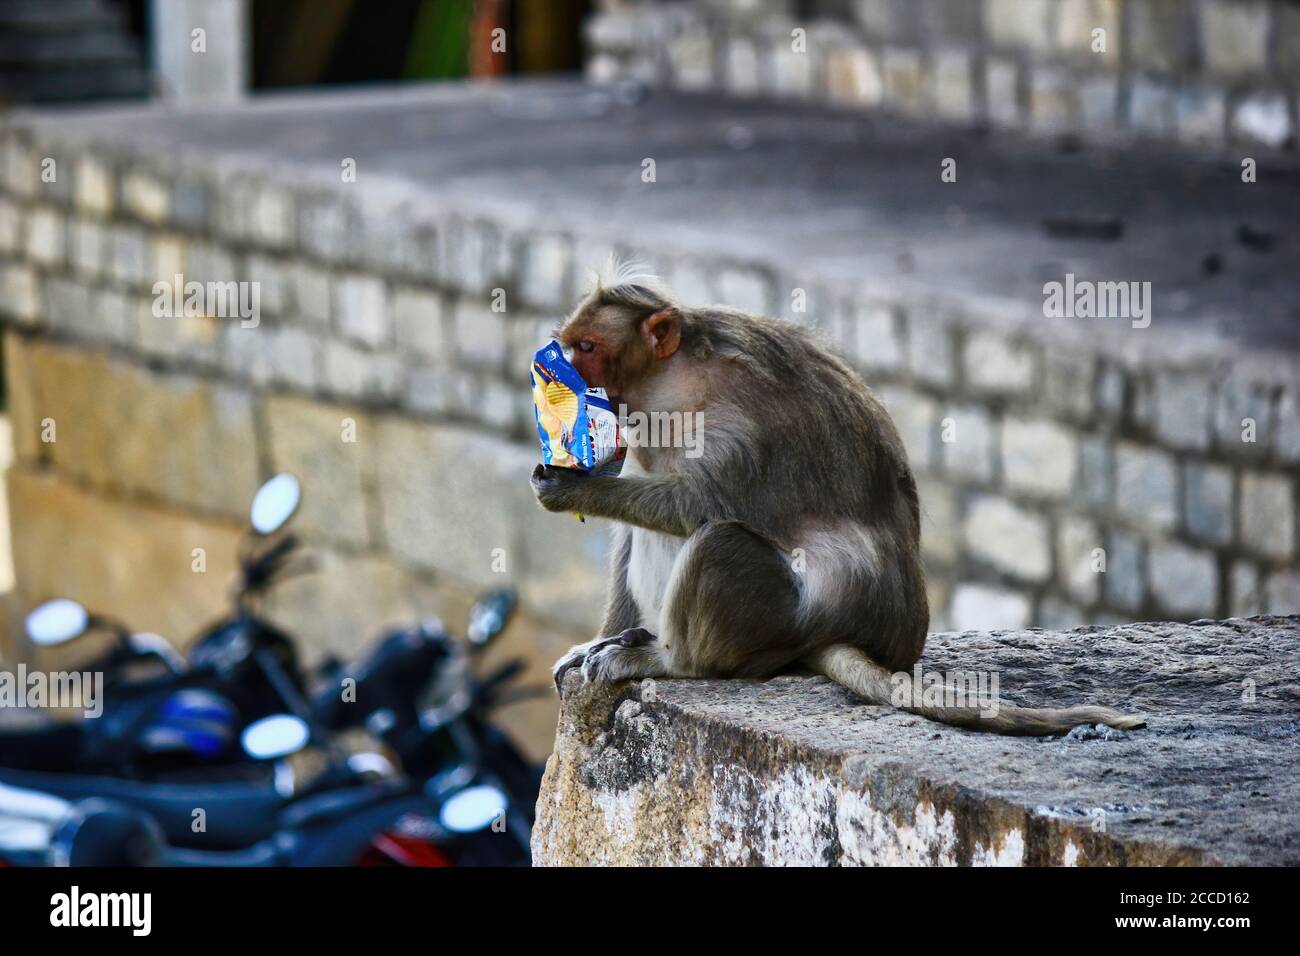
(78, 50)
(795, 152)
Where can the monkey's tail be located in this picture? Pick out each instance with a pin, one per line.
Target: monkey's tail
(852, 668)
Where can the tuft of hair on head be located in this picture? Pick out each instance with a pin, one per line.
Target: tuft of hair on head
(629, 283)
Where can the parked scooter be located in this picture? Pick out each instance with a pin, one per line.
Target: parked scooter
(443, 824)
(418, 693)
(466, 797)
(165, 714)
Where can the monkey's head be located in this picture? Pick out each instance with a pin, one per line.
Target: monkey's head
(620, 334)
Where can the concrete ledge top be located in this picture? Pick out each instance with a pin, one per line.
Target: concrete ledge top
(815, 194)
(795, 770)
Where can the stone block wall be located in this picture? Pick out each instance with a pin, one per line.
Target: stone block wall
(1206, 73)
(1063, 488)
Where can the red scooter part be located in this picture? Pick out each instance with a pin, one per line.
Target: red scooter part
(395, 849)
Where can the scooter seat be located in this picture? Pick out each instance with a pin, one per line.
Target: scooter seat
(50, 745)
(328, 807)
(233, 815)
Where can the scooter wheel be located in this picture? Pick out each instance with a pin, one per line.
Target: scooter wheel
(104, 833)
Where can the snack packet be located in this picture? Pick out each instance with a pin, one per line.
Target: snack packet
(577, 426)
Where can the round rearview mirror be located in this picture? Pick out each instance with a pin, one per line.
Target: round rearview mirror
(275, 503)
(473, 809)
(57, 621)
(488, 616)
(276, 736)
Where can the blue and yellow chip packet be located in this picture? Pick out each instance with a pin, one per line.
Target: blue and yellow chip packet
(577, 426)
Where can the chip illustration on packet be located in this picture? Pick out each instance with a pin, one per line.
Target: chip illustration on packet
(577, 426)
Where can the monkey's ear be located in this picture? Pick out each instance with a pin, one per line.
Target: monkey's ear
(663, 331)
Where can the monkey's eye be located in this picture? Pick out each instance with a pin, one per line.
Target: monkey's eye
(586, 345)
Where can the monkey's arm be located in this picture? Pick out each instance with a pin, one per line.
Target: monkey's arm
(659, 503)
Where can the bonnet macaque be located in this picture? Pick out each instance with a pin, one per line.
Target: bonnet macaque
(791, 535)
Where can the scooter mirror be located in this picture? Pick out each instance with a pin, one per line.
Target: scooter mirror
(275, 503)
(274, 737)
(56, 622)
(488, 616)
(473, 809)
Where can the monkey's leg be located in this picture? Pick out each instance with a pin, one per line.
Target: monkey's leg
(731, 607)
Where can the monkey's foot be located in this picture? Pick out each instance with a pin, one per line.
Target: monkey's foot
(599, 658)
(571, 659)
(629, 654)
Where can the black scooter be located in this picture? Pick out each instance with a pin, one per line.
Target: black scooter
(164, 714)
(447, 822)
(243, 658)
(467, 800)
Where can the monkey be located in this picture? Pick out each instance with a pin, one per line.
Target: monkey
(791, 539)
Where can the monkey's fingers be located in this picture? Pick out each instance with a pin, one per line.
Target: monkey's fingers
(547, 477)
(543, 482)
(566, 664)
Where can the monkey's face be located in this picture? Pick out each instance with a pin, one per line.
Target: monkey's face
(590, 356)
(603, 345)
(617, 348)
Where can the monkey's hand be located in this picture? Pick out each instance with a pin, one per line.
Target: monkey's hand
(556, 488)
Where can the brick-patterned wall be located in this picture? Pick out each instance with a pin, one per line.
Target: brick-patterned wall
(380, 317)
(1201, 72)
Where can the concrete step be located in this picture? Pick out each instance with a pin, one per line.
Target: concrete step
(58, 15)
(64, 50)
(78, 83)
(60, 50)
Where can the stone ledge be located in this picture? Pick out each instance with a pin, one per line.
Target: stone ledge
(793, 771)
